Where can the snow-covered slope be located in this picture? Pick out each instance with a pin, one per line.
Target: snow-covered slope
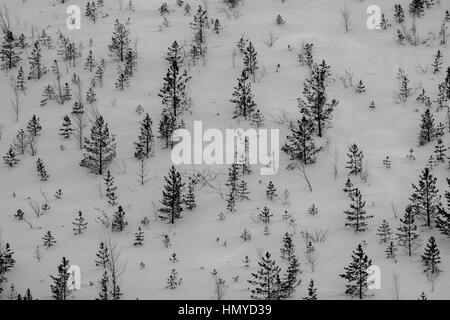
(388, 130)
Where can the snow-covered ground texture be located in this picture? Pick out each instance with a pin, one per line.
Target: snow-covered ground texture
(203, 242)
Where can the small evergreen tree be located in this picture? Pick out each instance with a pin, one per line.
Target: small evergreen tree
(443, 216)
(103, 256)
(425, 198)
(33, 126)
(300, 144)
(360, 88)
(120, 41)
(242, 191)
(66, 129)
(118, 222)
(60, 289)
(355, 158)
(172, 199)
(407, 236)
(440, 151)
(416, 8)
(265, 215)
(104, 292)
(80, 224)
(431, 260)
(437, 64)
(173, 281)
(288, 249)
(271, 191)
(145, 145)
(100, 148)
(91, 96)
(243, 98)
(40, 168)
(264, 281)
(357, 216)
(9, 50)
(139, 238)
(122, 80)
(90, 62)
(312, 291)
(20, 80)
(110, 188)
(291, 278)
(232, 184)
(49, 240)
(37, 69)
(391, 251)
(384, 232)
(314, 104)
(426, 128)
(173, 93)
(250, 61)
(357, 274)
(175, 53)
(10, 158)
(348, 187)
(257, 119)
(189, 198)
(99, 76)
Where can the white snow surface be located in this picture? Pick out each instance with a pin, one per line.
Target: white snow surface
(388, 130)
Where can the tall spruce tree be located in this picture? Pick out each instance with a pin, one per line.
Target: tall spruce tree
(431, 260)
(300, 144)
(37, 69)
(120, 41)
(172, 196)
(355, 159)
(144, 147)
(357, 274)
(100, 148)
(250, 61)
(199, 26)
(167, 126)
(291, 279)
(443, 215)
(357, 216)
(243, 98)
(173, 92)
(427, 129)
(266, 281)
(9, 51)
(314, 104)
(407, 236)
(425, 199)
(60, 287)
